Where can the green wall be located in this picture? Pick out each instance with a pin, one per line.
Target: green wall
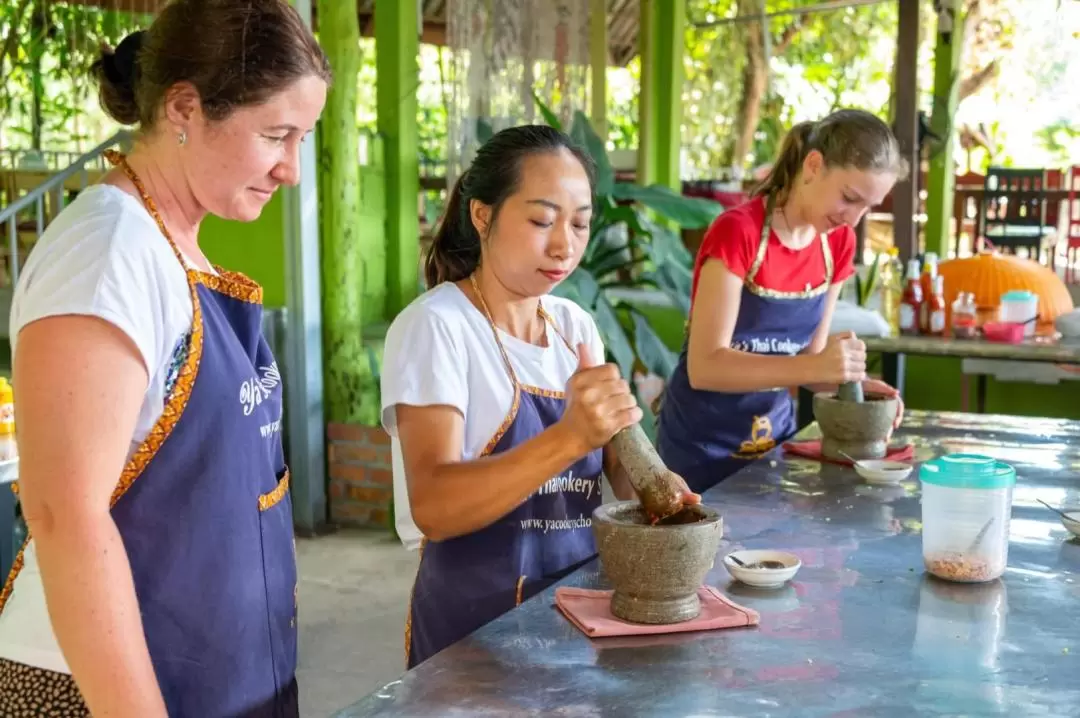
(255, 248)
(932, 382)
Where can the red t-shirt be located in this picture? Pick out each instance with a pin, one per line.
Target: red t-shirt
(734, 236)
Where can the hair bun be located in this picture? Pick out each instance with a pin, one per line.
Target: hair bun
(123, 64)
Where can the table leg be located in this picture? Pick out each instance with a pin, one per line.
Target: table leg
(7, 531)
(892, 370)
(805, 413)
(980, 394)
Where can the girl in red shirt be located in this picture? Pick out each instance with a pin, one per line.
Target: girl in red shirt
(766, 281)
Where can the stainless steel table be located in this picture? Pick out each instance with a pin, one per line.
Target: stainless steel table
(861, 631)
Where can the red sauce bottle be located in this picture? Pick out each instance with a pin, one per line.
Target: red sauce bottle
(911, 301)
(934, 309)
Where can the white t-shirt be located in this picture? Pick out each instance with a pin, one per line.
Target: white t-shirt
(441, 350)
(103, 256)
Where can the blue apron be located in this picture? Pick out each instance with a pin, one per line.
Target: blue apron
(203, 509)
(465, 582)
(705, 436)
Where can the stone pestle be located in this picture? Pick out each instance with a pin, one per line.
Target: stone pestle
(850, 391)
(658, 489)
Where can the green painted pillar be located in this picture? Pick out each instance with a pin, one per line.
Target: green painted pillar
(342, 255)
(942, 176)
(663, 45)
(397, 46)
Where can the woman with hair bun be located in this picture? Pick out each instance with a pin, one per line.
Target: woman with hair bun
(765, 284)
(159, 576)
(495, 396)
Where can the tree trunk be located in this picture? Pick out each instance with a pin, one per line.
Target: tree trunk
(344, 359)
(754, 80)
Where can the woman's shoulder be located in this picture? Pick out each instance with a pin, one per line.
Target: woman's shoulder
(440, 314)
(103, 227)
(747, 215)
(442, 304)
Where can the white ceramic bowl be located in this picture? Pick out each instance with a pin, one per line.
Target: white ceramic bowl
(763, 577)
(1072, 523)
(882, 471)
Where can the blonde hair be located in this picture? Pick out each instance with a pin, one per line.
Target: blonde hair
(847, 138)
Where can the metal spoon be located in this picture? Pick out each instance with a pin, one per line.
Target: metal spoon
(767, 563)
(1059, 512)
(979, 536)
(849, 458)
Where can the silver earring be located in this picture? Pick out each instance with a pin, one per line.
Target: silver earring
(182, 138)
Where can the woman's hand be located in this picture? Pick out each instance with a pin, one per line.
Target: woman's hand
(877, 386)
(599, 403)
(689, 498)
(843, 359)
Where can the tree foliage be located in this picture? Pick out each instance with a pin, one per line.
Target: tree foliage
(745, 82)
(47, 99)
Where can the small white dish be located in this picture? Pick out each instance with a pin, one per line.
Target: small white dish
(882, 471)
(763, 577)
(1072, 523)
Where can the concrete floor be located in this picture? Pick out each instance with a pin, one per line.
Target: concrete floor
(354, 594)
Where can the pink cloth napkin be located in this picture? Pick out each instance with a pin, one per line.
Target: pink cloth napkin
(812, 450)
(590, 611)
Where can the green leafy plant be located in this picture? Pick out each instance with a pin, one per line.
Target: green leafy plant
(632, 246)
(865, 287)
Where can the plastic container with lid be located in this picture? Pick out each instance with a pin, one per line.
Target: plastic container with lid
(1017, 307)
(966, 505)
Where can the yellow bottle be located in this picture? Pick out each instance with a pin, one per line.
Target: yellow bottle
(892, 289)
(7, 407)
(8, 448)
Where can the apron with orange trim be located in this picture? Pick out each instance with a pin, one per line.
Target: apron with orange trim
(465, 582)
(706, 436)
(204, 513)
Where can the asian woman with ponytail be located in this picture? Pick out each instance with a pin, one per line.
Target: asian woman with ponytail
(495, 395)
(765, 284)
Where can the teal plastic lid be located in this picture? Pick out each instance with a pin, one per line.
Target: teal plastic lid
(967, 471)
(1018, 295)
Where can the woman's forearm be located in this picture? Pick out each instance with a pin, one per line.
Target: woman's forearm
(458, 498)
(95, 615)
(733, 371)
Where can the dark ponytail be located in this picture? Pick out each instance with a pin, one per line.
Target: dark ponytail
(847, 138)
(494, 175)
(455, 251)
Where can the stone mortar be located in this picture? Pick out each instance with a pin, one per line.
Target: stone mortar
(656, 570)
(859, 429)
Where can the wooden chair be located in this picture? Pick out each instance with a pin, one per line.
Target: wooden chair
(1014, 209)
(1071, 239)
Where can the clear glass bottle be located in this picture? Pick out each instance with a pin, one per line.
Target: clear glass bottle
(965, 316)
(892, 290)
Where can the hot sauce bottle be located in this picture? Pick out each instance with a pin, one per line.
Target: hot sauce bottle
(911, 301)
(929, 275)
(934, 309)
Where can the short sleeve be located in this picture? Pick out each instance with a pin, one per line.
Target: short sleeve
(842, 243)
(423, 365)
(730, 239)
(104, 266)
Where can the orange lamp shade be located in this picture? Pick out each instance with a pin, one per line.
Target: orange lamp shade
(988, 276)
